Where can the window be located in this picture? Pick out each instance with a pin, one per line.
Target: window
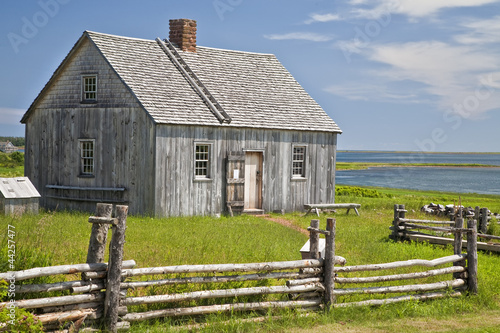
(87, 157)
(298, 161)
(89, 88)
(202, 160)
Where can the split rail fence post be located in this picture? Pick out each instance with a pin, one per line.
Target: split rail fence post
(328, 269)
(472, 257)
(483, 223)
(395, 224)
(112, 301)
(477, 212)
(99, 235)
(399, 213)
(314, 240)
(402, 215)
(457, 243)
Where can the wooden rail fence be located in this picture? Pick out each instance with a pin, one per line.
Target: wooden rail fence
(410, 229)
(114, 294)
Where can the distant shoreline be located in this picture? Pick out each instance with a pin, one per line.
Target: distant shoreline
(366, 165)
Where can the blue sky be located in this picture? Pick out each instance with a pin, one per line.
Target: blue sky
(394, 74)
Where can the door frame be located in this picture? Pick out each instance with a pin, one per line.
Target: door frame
(261, 185)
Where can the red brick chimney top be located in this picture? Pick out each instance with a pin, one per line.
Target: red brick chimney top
(183, 34)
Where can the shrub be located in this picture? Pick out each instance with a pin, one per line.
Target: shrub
(354, 191)
(17, 157)
(17, 320)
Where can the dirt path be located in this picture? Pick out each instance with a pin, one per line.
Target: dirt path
(286, 223)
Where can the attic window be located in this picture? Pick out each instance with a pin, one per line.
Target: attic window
(86, 158)
(89, 88)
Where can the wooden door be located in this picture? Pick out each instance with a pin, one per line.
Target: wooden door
(253, 180)
(235, 176)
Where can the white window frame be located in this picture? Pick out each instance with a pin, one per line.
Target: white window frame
(200, 160)
(87, 161)
(86, 90)
(295, 161)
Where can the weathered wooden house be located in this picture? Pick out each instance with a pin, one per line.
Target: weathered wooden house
(7, 147)
(171, 128)
(18, 196)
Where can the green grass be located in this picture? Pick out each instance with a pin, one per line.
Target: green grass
(62, 238)
(155, 242)
(11, 165)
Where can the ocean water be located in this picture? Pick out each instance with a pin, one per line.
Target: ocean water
(449, 179)
(418, 157)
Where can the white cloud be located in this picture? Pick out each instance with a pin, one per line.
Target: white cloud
(323, 18)
(11, 116)
(310, 36)
(372, 92)
(415, 9)
(480, 31)
(455, 75)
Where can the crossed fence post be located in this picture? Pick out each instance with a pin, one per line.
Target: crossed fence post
(97, 245)
(329, 260)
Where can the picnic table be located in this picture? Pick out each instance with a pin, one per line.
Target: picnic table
(318, 207)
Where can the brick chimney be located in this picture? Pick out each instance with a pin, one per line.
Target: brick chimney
(183, 34)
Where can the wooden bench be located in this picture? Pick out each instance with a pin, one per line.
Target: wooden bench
(318, 207)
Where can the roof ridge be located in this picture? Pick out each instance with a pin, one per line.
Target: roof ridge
(193, 79)
(119, 36)
(235, 51)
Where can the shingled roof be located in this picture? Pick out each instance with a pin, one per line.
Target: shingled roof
(253, 88)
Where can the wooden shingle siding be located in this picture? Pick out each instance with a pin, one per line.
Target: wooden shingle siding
(178, 193)
(66, 90)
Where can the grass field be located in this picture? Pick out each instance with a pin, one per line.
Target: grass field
(53, 238)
